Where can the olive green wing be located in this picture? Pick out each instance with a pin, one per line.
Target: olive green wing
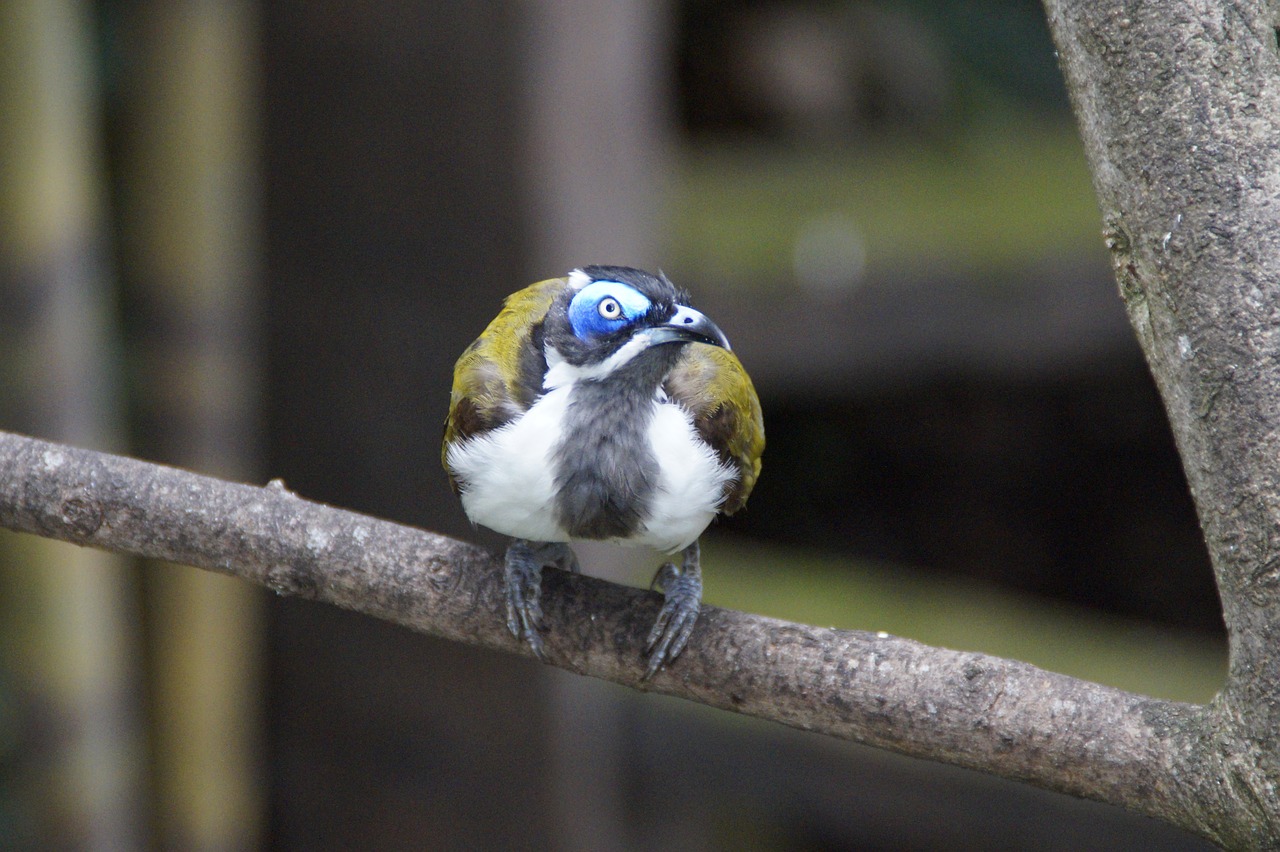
(712, 385)
(500, 374)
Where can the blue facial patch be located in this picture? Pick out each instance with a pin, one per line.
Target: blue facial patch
(605, 306)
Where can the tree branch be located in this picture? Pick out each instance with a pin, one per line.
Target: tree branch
(969, 709)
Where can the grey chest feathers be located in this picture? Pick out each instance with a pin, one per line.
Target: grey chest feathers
(606, 471)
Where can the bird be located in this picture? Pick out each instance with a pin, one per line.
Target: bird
(600, 406)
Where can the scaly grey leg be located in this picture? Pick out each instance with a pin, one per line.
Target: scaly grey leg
(683, 590)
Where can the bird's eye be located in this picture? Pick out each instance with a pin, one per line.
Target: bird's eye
(610, 309)
(603, 308)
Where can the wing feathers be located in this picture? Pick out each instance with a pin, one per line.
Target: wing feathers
(711, 383)
(500, 374)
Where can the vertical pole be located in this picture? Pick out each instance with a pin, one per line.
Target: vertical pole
(66, 613)
(189, 211)
(597, 141)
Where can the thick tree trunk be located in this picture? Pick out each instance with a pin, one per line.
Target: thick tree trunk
(1179, 106)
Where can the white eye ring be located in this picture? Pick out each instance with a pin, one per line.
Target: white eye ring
(609, 308)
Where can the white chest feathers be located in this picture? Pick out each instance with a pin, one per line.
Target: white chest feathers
(508, 476)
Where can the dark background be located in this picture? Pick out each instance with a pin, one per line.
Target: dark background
(958, 403)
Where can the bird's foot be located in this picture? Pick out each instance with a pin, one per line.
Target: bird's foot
(524, 563)
(682, 588)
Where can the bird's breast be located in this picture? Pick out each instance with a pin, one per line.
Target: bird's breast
(507, 476)
(582, 464)
(692, 481)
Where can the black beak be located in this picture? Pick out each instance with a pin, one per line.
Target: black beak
(690, 325)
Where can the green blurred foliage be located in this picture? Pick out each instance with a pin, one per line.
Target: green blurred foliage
(997, 199)
(791, 584)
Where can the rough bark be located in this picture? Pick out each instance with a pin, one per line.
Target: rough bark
(970, 709)
(1179, 107)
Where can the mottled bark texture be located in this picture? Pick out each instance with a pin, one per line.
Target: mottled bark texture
(973, 710)
(1179, 106)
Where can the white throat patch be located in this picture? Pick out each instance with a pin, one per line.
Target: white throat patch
(560, 373)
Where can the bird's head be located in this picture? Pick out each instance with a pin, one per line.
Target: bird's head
(610, 316)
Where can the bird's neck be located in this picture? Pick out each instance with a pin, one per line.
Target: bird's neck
(606, 471)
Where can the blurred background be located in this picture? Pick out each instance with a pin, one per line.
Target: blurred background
(250, 238)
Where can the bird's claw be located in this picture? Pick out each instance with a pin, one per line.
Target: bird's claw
(524, 564)
(524, 588)
(674, 625)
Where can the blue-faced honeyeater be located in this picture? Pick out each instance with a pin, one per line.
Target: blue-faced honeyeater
(600, 406)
